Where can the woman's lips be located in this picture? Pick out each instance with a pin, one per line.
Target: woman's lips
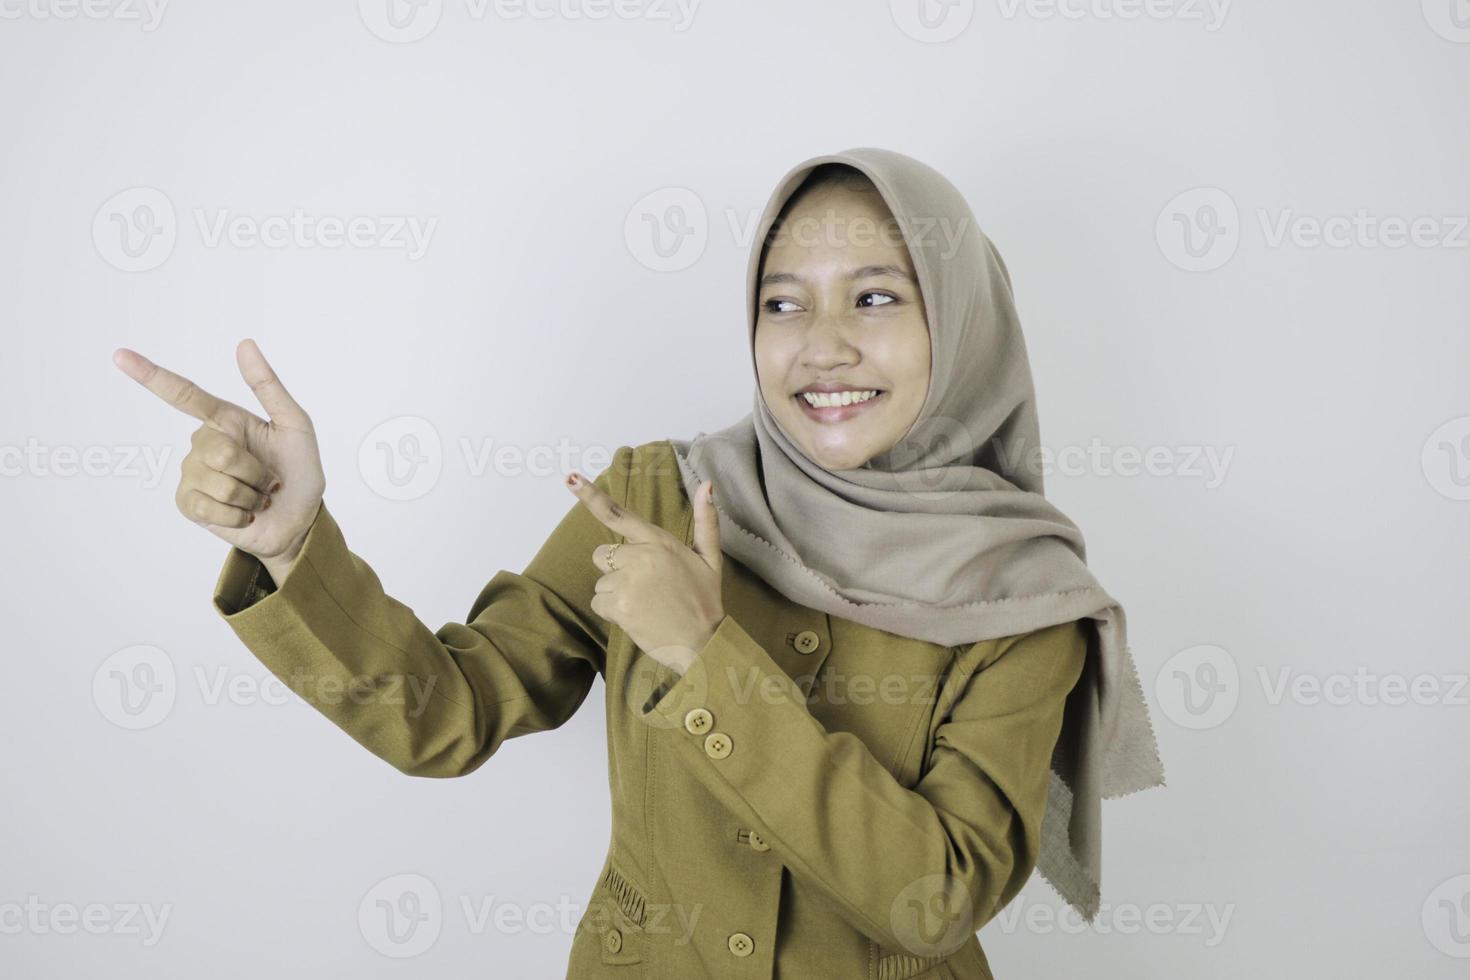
(839, 413)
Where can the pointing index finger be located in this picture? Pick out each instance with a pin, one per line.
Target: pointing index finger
(178, 391)
(612, 514)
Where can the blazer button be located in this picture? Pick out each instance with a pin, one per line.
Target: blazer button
(613, 940)
(757, 843)
(698, 721)
(717, 745)
(740, 944)
(807, 641)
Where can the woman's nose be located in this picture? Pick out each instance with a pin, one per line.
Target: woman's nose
(828, 339)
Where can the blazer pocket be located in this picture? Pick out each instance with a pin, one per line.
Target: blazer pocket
(620, 940)
(614, 919)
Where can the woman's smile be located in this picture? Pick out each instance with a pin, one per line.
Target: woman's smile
(837, 406)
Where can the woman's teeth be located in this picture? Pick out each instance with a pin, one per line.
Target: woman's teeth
(835, 399)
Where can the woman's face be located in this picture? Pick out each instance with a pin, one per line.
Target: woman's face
(839, 310)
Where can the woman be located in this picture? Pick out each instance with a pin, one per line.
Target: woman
(859, 680)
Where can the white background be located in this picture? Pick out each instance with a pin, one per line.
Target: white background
(1305, 835)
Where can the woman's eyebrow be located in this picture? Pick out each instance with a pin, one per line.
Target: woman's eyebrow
(864, 272)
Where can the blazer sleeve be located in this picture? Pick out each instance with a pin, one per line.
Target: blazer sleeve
(429, 702)
(962, 842)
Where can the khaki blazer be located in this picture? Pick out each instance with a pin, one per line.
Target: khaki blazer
(813, 798)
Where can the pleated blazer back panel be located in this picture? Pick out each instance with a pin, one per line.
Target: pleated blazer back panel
(814, 798)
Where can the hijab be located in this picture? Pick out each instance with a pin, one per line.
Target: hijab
(947, 536)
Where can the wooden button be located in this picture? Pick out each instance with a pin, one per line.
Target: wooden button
(717, 745)
(698, 721)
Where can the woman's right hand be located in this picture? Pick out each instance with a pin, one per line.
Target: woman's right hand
(228, 481)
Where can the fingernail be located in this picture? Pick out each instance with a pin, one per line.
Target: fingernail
(252, 519)
(274, 487)
(573, 480)
(267, 504)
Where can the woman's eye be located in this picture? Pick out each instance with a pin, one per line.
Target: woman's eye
(773, 305)
(886, 297)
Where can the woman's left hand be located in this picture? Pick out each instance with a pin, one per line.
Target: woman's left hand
(664, 595)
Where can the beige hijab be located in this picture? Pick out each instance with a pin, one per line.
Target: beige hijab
(946, 537)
